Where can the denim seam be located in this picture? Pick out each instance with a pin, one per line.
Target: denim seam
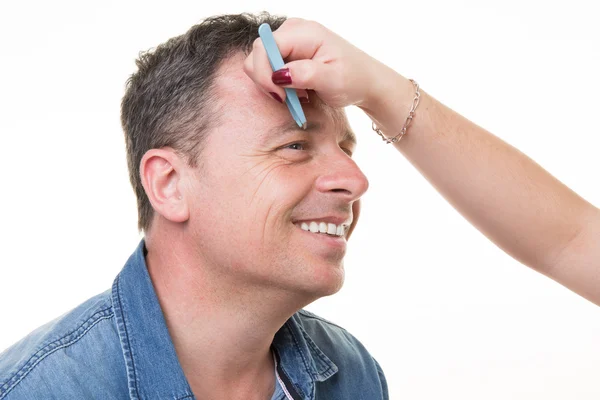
(321, 319)
(319, 352)
(313, 345)
(123, 325)
(297, 346)
(189, 396)
(67, 340)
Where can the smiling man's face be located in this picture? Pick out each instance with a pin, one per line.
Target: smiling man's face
(260, 178)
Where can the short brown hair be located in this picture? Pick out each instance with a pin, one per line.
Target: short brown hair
(168, 101)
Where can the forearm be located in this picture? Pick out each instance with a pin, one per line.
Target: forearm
(502, 192)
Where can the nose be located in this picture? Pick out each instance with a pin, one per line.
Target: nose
(342, 176)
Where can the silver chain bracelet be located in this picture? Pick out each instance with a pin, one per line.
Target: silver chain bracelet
(409, 119)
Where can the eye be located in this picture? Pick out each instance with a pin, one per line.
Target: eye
(296, 146)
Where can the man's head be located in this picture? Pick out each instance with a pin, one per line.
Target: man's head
(169, 100)
(223, 165)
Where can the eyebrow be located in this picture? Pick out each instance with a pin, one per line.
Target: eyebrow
(291, 127)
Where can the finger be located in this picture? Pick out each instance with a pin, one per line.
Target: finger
(299, 39)
(258, 68)
(296, 39)
(303, 95)
(248, 68)
(308, 74)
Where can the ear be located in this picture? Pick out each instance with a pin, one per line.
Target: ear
(161, 172)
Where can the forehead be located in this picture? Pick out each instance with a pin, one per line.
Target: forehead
(240, 102)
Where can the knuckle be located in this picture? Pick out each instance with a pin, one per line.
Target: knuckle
(305, 23)
(315, 24)
(308, 73)
(294, 21)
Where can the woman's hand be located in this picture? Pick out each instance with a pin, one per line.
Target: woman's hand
(317, 59)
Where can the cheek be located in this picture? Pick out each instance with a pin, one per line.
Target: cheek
(214, 210)
(251, 202)
(272, 183)
(273, 197)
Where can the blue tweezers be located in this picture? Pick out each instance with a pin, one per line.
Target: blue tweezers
(276, 61)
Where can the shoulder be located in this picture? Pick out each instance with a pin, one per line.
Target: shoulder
(80, 346)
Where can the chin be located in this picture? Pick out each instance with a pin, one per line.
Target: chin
(326, 280)
(328, 291)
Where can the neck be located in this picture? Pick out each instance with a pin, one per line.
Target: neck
(222, 328)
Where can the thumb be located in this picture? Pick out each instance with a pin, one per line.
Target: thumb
(307, 74)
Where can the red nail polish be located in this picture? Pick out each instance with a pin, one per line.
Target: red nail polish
(276, 97)
(282, 77)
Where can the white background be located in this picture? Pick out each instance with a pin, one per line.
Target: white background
(447, 314)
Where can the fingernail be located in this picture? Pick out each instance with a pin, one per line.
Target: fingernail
(304, 100)
(276, 97)
(282, 77)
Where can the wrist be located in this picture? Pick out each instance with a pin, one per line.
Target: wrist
(389, 102)
(386, 89)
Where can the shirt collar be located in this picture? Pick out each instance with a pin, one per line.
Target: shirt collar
(153, 370)
(300, 359)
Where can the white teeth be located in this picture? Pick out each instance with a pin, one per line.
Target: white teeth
(314, 227)
(331, 229)
(323, 227)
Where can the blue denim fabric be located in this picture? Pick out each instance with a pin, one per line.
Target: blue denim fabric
(116, 346)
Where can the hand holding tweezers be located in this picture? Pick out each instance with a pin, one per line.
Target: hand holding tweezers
(276, 61)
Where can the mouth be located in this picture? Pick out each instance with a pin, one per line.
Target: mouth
(324, 228)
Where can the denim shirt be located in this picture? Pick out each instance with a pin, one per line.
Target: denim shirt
(116, 346)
